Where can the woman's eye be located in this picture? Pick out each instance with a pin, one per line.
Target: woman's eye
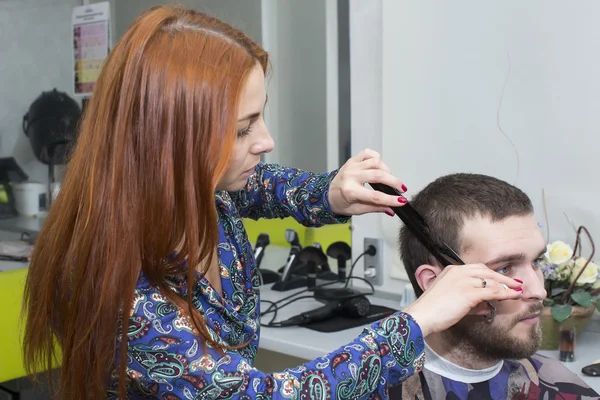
(244, 132)
(537, 262)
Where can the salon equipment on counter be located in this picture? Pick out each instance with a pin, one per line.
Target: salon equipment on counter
(355, 307)
(592, 369)
(324, 272)
(291, 236)
(288, 280)
(341, 322)
(334, 316)
(329, 293)
(418, 227)
(312, 257)
(266, 275)
(30, 198)
(10, 173)
(51, 126)
(19, 251)
(342, 252)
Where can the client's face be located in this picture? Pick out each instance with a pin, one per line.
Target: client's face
(514, 247)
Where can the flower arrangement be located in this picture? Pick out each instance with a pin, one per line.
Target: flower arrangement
(569, 278)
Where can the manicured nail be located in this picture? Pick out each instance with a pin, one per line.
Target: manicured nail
(402, 200)
(518, 280)
(404, 189)
(518, 289)
(391, 214)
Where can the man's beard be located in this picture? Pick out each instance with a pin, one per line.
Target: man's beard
(494, 341)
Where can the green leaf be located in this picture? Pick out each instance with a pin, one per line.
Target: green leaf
(598, 304)
(560, 312)
(582, 298)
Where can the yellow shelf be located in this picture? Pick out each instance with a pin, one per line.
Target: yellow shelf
(276, 229)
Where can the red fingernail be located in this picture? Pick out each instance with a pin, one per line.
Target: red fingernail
(391, 214)
(404, 189)
(518, 280)
(402, 200)
(518, 289)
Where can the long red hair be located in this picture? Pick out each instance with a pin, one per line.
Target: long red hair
(155, 139)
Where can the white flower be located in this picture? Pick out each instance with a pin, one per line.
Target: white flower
(558, 252)
(563, 271)
(589, 274)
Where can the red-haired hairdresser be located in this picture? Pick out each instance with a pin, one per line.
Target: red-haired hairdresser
(143, 274)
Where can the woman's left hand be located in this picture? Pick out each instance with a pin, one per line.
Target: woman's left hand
(348, 194)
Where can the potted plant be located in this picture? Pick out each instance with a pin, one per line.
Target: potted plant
(573, 288)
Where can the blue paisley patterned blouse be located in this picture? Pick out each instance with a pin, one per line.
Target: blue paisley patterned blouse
(167, 361)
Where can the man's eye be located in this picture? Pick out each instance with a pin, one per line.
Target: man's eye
(504, 270)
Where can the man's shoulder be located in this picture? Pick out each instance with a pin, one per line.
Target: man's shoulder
(532, 377)
(551, 370)
(549, 375)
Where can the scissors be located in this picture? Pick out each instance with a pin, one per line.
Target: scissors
(415, 223)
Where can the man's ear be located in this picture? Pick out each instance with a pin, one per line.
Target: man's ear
(426, 274)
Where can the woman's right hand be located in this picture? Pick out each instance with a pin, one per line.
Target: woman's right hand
(459, 290)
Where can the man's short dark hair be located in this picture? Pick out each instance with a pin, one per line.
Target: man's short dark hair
(447, 203)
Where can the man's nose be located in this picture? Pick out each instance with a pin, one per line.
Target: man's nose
(533, 285)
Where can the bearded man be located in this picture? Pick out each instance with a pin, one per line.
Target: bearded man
(486, 221)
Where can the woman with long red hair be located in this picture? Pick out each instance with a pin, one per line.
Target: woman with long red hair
(143, 283)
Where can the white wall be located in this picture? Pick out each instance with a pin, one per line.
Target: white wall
(443, 69)
(244, 15)
(36, 55)
(301, 39)
(365, 104)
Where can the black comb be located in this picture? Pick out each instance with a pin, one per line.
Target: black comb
(418, 227)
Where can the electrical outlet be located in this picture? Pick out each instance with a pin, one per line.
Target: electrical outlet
(374, 264)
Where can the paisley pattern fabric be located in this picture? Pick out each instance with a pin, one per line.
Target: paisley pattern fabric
(167, 360)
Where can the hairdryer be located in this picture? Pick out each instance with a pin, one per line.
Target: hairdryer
(355, 307)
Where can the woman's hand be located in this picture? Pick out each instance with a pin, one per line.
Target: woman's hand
(348, 194)
(460, 290)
